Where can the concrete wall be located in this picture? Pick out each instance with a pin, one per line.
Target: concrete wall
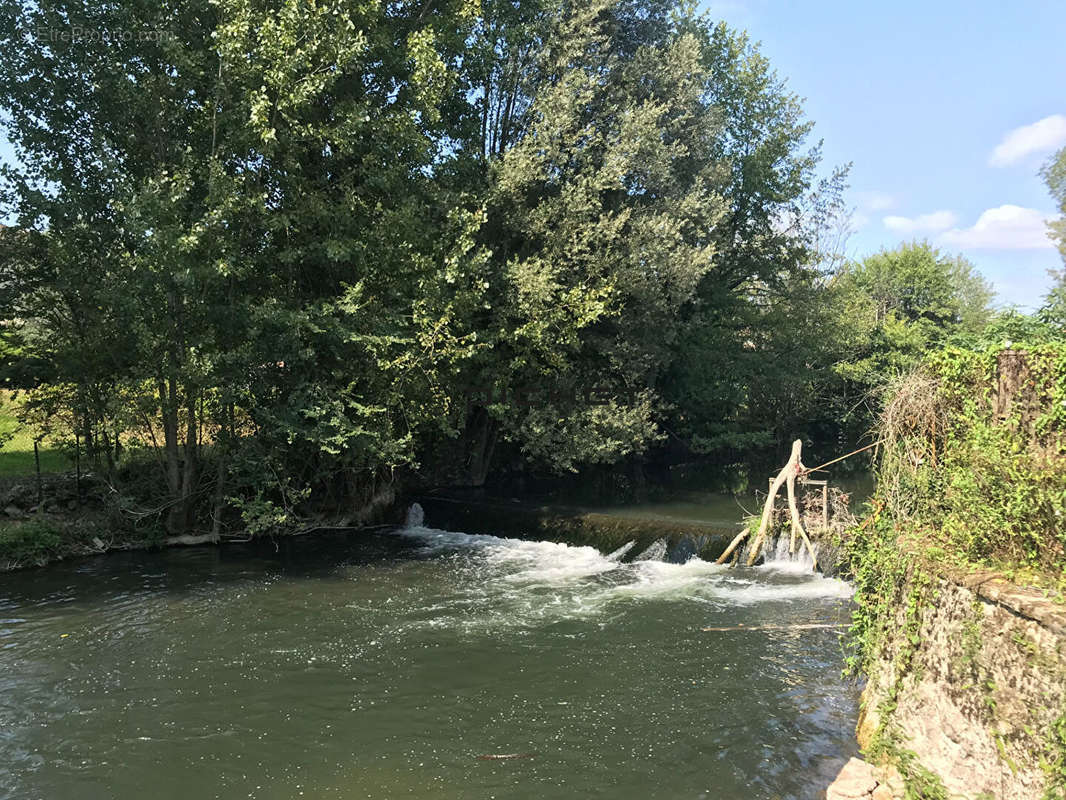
(606, 532)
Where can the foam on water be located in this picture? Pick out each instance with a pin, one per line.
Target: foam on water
(515, 581)
(780, 559)
(655, 552)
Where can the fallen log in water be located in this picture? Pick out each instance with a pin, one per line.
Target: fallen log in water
(788, 474)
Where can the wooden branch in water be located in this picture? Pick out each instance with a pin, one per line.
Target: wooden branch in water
(797, 526)
(792, 468)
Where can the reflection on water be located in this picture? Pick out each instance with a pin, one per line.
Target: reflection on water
(726, 510)
(384, 666)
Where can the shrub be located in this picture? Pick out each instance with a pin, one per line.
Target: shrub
(29, 542)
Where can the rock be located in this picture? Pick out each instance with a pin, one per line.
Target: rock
(855, 781)
(14, 512)
(882, 792)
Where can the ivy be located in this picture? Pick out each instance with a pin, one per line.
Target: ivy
(1053, 762)
(964, 478)
(986, 490)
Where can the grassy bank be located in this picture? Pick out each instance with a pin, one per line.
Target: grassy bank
(16, 445)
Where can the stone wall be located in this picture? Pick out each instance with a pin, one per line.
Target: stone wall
(975, 693)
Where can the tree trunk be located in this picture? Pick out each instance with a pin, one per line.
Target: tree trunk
(792, 468)
(482, 432)
(169, 408)
(192, 461)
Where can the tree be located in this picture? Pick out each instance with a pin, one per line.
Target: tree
(1054, 174)
(1053, 311)
(897, 305)
(602, 217)
(748, 362)
(286, 249)
(241, 232)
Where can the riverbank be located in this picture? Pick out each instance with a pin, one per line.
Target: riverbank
(968, 697)
(960, 574)
(69, 516)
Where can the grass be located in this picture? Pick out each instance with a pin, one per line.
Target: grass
(16, 453)
(29, 542)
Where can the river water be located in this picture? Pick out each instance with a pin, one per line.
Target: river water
(418, 663)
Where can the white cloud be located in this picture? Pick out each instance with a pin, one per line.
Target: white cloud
(925, 223)
(1007, 227)
(1043, 136)
(875, 201)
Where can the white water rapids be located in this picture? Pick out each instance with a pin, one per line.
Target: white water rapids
(521, 582)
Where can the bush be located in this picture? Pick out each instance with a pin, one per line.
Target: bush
(981, 477)
(30, 542)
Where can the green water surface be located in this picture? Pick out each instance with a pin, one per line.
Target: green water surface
(391, 665)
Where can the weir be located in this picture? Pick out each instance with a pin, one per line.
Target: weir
(814, 511)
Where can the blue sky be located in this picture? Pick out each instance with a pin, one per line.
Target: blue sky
(946, 110)
(919, 96)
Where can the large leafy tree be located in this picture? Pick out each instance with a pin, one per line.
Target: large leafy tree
(241, 234)
(601, 215)
(906, 301)
(893, 308)
(1053, 310)
(291, 246)
(1054, 173)
(753, 338)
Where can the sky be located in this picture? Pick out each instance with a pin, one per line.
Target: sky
(946, 111)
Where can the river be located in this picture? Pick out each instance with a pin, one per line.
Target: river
(418, 663)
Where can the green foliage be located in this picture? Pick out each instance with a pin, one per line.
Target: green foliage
(905, 302)
(1053, 760)
(1053, 311)
(989, 490)
(971, 636)
(311, 243)
(880, 570)
(756, 343)
(254, 252)
(16, 445)
(1010, 326)
(1054, 174)
(28, 542)
(967, 477)
(292, 249)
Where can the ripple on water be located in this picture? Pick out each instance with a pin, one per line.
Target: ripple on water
(330, 674)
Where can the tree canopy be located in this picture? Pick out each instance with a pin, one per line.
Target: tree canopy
(284, 251)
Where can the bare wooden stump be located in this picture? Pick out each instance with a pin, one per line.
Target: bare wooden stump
(793, 467)
(788, 474)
